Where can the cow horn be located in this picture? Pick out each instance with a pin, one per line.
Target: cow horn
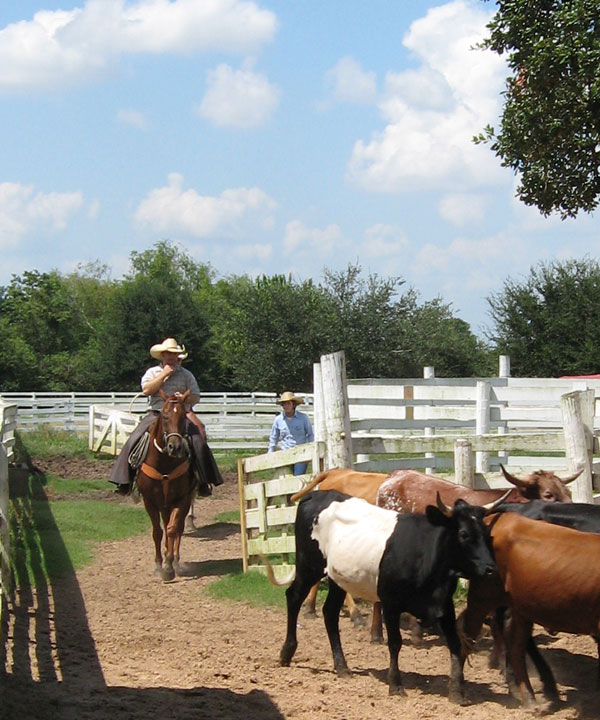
(491, 506)
(512, 479)
(442, 507)
(567, 480)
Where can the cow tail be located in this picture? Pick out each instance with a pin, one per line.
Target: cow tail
(467, 644)
(313, 482)
(271, 575)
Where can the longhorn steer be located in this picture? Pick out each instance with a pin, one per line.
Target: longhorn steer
(547, 575)
(408, 562)
(412, 491)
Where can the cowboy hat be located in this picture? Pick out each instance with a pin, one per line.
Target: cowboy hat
(167, 345)
(290, 396)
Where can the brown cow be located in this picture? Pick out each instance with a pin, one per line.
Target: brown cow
(412, 491)
(547, 576)
(351, 482)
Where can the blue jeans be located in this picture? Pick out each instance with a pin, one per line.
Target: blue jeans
(300, 468)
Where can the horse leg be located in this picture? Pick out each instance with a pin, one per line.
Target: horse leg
(168, 573)
(376, 624)
(190, 527)
(157, 534)
(182, 514)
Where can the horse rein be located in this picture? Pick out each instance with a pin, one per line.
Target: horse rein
(166, 436)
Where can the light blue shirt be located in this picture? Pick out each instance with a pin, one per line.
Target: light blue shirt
(290, 431)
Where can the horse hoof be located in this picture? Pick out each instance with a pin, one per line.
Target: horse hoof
(189, 526)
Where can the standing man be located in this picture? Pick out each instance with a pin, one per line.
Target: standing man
(172, 379)
(290, 428)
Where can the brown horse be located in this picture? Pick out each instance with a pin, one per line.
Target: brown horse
(165, 481)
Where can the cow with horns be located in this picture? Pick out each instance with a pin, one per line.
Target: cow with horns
(546, 575)
(410, 563)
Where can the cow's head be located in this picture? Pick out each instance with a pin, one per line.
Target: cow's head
(469, 540)
(542, 485)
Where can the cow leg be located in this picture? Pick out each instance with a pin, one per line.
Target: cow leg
(311, 601)
(597, 639)
(416, 630)
(456, 681)
(519, 632)
(548, 682)
(331, 614)
(481, 600)
(355, 615)
(391, 617)
(376, 624)
(295, 596)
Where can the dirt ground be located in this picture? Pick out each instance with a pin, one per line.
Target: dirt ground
(113, 642)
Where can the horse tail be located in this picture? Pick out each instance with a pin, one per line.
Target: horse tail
(313, 482)
(271, 575)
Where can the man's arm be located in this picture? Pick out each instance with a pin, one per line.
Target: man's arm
(152, 385)
(274, 437)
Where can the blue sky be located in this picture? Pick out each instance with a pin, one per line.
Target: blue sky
(265, 137)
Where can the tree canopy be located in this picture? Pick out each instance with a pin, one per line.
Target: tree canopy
(86, 332)
(547, 322)
(550, 125)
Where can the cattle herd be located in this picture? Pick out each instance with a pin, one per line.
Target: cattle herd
(401, 541)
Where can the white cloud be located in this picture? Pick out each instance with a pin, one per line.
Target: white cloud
(256, 252)
(462, 208)
(58, 48)
(348, 82)
(171, 209)
(133, 118)
(433, 112)
(238, 98)
(23, 211)
(302, 240)
(383, 240)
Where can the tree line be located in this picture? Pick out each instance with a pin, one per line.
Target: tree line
(84, 331)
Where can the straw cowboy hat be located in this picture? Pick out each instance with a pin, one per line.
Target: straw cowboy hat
(290, 396)
(168, 345)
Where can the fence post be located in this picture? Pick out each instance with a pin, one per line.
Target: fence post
(337, 411)
(578, 424)
(504, 366)
(482, 423)
(4, 536)
(463, 463)
(428, 374)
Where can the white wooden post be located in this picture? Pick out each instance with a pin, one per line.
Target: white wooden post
(578, 426)
(318, 408)
(318, 417)
(463, 463)
(429, 373)
(337, 413)
(4, 531)
(504, 366)
(482, 423)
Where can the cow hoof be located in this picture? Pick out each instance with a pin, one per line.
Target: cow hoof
(458, 698)
(343, 672)
(357, 620)
(397, 690)
(377, 639)
(310, 614)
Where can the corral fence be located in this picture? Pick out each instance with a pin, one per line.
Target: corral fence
(234, 420)
(8, 422)
(463, 427)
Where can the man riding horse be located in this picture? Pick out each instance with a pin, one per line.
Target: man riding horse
(172, 379)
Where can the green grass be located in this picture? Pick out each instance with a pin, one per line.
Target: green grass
(51, 539)
(229, 516)
(46, 441)
(252, 588)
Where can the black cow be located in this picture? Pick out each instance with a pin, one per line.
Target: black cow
(579, 516)
(410, 563)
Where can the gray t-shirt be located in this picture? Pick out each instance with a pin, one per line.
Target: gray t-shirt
(180, 381)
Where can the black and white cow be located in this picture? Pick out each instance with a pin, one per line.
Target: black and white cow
(410, 563)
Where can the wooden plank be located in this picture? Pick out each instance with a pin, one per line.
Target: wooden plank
(272, 546)
(270, 518)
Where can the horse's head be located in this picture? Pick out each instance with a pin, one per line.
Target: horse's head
(172, 419)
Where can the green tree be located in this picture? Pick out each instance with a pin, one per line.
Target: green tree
(271, 330)
(547, 322)
(550, 125)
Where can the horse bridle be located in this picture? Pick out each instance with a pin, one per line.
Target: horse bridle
(166, 437)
